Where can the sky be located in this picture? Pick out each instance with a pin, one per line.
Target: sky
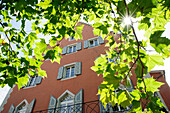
(3, 91)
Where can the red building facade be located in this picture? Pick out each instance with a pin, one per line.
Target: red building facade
(69, 83)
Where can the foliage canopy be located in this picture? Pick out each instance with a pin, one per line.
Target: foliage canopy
(62, 17)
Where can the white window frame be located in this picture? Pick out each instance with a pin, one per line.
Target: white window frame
(33, 80)
(67, 92)
(70, 71)
(66, 103)
(26, 106)
(65, 69)
(72, 48)
(93, 39)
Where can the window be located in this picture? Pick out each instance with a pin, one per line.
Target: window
(120, 108)
(111, 109)
(69, 71)
(33, 81)
(72, 49)
(93, 42)
(66, 103)
(71, 38)
(110, 59)
(23, 107)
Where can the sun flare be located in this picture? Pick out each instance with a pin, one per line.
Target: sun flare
(127, 20)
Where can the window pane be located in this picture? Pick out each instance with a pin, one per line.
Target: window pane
(95, 42)
(72, 71)
(63, 108)
(91, 43)
(74, 48)
(68, 73)
(32, 81)
(70, 49)
(70, 108)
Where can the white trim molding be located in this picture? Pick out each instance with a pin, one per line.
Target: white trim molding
(6, 98)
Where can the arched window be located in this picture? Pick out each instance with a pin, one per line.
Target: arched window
(23, 107)
(66, 102)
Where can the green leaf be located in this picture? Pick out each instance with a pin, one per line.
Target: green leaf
(68, 22)
(153, 60)
(168, 14)
(152, 85)
(58, 49)
(143, 26)
(80, 27)
(154, 2)
(135, 94)
(42, 73)
(121, 97)
(97, 24)
(53, 11)
(157, 39)
(45, 4)
(124, 98)
(96, 31)
(92, 17)
(53, 41)
(138, 70)
(22, 81)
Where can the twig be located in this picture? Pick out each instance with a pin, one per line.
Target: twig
(7, 38)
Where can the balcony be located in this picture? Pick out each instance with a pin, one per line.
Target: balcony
(87, 107)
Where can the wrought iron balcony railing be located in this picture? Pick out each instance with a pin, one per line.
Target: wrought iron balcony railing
(87, 107)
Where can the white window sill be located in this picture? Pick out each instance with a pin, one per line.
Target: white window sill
(71, 53)
(29, 87)
(68, 78)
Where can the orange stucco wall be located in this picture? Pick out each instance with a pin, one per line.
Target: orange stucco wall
(88, 80)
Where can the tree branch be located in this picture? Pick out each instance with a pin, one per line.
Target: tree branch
(7, 38)
(138, 46)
